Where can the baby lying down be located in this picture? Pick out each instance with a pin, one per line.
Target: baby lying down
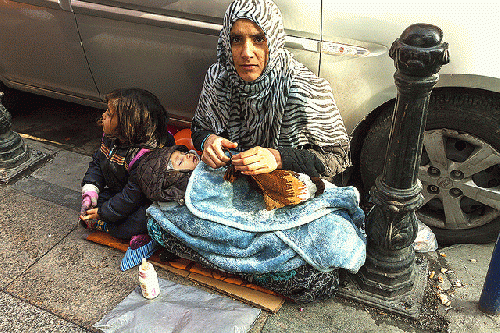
(164, 175)
(280, 236)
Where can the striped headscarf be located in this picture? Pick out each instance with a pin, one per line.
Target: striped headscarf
(287, 106)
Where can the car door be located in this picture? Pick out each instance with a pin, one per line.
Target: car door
(40, 49)
(167, 46)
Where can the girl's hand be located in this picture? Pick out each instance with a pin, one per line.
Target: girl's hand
(213, 153)
(257, 160)
(91, 214)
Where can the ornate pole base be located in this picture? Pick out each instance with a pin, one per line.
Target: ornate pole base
(391, 278)
(15, 156)
(377, 277)
(391, 226)
(408, 304)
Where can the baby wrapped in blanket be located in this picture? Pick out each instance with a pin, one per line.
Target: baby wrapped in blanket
(163, 176)
(237, 227)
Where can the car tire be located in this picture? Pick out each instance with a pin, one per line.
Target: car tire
(460, 207)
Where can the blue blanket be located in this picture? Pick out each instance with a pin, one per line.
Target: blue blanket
(228, 224)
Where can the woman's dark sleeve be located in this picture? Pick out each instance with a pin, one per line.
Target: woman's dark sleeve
(124, 203)
(198, 137)
(324, 162)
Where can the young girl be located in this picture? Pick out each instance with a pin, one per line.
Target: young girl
(134, 123)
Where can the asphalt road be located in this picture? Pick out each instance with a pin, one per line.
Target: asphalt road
(69, 126)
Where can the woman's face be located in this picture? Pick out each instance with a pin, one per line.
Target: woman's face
(184, 161)
(110, 120)
(249, 48)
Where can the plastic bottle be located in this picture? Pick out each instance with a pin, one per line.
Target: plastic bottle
(148, 280)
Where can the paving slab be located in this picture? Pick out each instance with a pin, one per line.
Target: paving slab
(30, 228)
(48, 263)
(23, 317)
(469, 263)
(65, 169)
(335, 315)
(61, 196)
(77, 280)
(59, 179)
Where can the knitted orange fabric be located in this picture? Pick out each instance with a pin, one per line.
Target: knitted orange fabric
(279, 187)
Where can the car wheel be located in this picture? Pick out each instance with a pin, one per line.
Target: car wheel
(460, 164)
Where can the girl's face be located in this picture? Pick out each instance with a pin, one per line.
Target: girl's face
(184, 161)
(110, 121)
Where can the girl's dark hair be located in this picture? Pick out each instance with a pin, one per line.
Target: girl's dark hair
(141, 117)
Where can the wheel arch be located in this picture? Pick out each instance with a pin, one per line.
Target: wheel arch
(359, 133)
(445, 102)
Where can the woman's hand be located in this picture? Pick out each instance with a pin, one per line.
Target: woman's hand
(213, 153)
(90, 214)
(257, 160)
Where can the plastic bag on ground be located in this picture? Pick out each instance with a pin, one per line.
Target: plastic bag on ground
(178, 308)
(425, 240)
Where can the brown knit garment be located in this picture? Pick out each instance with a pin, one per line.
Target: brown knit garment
(279, 187)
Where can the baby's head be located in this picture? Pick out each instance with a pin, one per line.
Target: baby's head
(164, 173)
(183, 159)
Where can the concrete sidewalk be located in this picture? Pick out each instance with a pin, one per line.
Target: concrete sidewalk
(53, 280)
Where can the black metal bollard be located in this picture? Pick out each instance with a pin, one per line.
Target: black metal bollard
(391, 225)
(15, 156)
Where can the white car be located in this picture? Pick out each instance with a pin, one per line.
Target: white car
(78, 50)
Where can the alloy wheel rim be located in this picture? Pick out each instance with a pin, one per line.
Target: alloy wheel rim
(460, 176)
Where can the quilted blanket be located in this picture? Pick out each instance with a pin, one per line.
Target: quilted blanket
(228, 224)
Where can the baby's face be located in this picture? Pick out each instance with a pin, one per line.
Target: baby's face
(184, 161)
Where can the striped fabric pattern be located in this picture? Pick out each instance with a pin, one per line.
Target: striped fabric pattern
(133, 258)
(287, 106)
(120, 160)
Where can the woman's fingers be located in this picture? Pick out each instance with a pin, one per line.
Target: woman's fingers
(211, 159)
(213, 151)
(255, 161)
(246, 159)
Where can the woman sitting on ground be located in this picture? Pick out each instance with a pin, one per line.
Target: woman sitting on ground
(275, 113)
